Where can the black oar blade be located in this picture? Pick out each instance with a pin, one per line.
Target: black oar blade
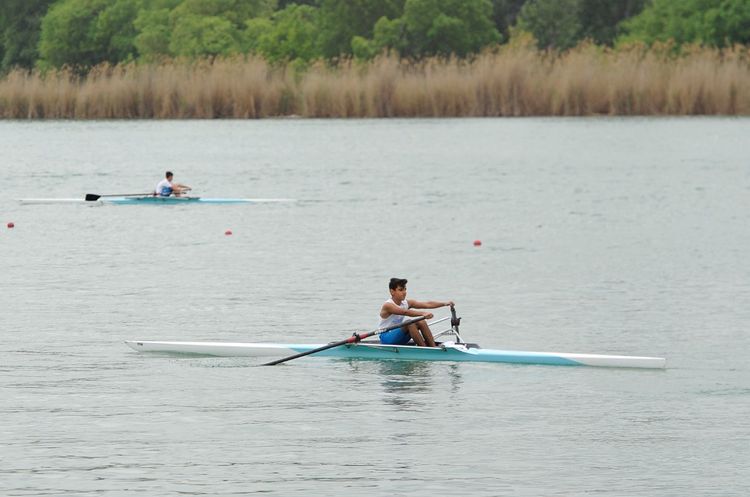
(352, 339)
(93, 197)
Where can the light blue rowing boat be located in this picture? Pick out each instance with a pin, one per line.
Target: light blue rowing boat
(448, 351)
(355, 348)
(186, 200)
(150, 200)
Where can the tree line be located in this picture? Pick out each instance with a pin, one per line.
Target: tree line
(80, 34)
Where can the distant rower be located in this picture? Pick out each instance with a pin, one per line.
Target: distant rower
(165, 187)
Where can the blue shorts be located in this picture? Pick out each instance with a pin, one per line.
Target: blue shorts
(395, 337)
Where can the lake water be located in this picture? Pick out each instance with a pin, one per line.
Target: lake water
(623, 236)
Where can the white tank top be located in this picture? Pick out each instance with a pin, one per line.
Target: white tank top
(394, 318)
(164, 188)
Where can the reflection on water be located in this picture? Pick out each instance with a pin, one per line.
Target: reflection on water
(406, 376)
(454, 375)
(417, 376)
(405, 382)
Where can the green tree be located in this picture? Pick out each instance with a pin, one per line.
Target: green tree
(234, 11)
(434, 27)
(282, 4)
(154, 33)
(290, 34)
(70, 34)
(599, 19)
(20, 24)
(115, 31)
(441, 27)
(83, 33)
(341, 20)
(504, 15)
(195, 27)
(711, 22)
(554, 23)
(388, 34)
(195, 36)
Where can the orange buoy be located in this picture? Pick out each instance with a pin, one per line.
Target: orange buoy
(477, 243)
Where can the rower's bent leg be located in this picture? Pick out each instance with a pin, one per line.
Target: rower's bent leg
(415, 334)
(426, 333)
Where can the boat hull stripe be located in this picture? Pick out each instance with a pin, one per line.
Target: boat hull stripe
(393, 352)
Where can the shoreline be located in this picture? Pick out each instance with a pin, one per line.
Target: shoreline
(513, 82)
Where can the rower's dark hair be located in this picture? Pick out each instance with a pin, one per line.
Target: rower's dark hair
(169, 173)
(396, 283)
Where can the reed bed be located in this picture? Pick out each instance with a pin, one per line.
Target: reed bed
(510, 81)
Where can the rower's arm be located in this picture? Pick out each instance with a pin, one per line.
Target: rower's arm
(389, 308)
(430, 304)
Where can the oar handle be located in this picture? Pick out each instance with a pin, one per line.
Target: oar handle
(455, 321)
(356, 337)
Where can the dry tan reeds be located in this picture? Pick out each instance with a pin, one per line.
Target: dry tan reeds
(510, 81)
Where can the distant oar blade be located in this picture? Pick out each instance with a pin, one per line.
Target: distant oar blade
(352, 339)
(90, 197)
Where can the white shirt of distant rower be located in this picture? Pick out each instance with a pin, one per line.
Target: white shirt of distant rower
(161, 184)
(394, 319)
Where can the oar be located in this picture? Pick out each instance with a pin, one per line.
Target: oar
(352, 339)
(92, 197)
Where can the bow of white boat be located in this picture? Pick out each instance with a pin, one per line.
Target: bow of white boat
(57, 201)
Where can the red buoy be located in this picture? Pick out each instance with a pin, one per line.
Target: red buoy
(11, 225)
(228, 232)
(477, 243)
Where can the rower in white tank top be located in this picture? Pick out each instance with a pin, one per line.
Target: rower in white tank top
(166, 187)
(396, 314)
(394, 319)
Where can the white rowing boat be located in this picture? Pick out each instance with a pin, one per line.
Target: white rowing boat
(458, 352)
(355, 348)
(150, 200)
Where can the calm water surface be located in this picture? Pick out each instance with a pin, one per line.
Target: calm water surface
(599, 235)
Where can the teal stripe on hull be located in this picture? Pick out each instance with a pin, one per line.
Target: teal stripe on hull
(439, 354)
(400, 353)
(175, 200)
